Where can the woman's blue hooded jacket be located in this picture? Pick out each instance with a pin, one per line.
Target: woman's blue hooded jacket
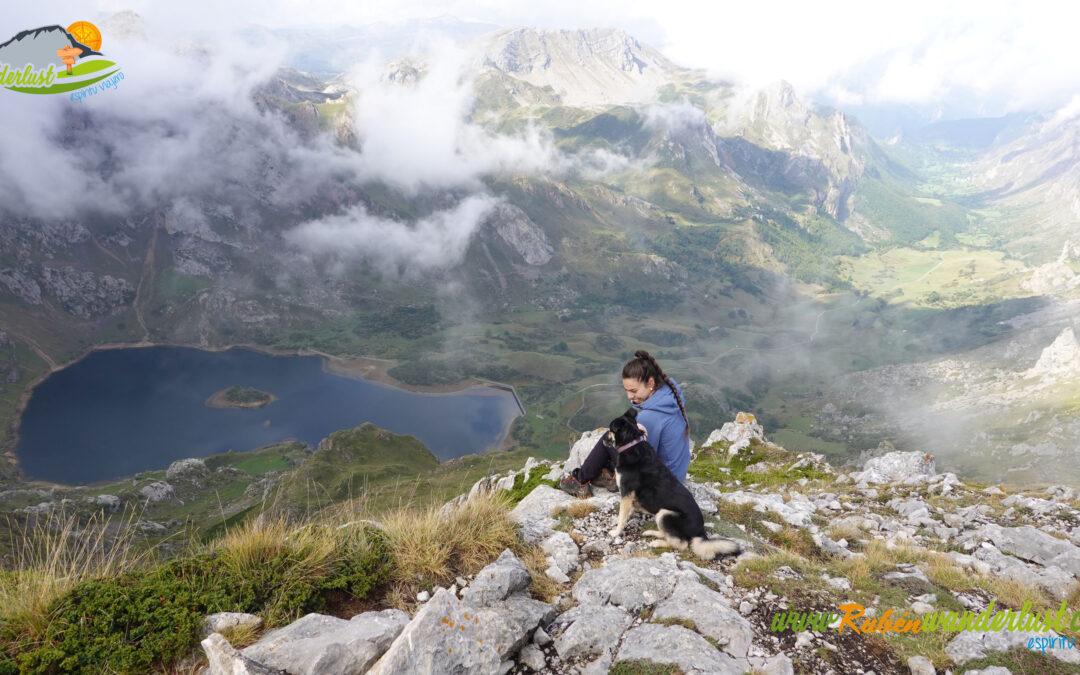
(667, 430)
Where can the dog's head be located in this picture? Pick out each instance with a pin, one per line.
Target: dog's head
(623, 430)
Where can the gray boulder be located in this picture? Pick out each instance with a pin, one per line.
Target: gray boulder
(324, 644)
(497, 581)
(897, 467)
(225, 660)
(580, 450)
(215, 623)
(1034, 545)
(588, 632)
(562, 551)
(109, 503)
(711, 614)
(968, 646)
(158, 492)
(677, 646)
(534, 512)
(190, 469)
(920, 665)
(1053, 580)
(630, 583)
(704, 495)
(480, 633)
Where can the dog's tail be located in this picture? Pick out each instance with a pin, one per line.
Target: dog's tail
(710, 549)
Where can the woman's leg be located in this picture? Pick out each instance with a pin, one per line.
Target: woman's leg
(599, 457)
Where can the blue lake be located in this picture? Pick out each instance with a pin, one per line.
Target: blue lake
(121, 411)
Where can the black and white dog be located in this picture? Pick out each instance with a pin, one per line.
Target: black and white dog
(646, 484)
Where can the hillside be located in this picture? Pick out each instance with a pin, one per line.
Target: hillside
(761, 247)
(529, 580)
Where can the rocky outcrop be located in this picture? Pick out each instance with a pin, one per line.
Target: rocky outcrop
(897, 467)
(521, 234)
(477, 633)
(598, 66)
(620, 602)
(21, 286)
(85, 294)
(157, 492)
(739, 433)
(191, 469)
(1061, 359)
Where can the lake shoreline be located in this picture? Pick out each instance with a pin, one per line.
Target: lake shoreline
(369, 369)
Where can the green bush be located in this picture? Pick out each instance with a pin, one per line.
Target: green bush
(144, 620)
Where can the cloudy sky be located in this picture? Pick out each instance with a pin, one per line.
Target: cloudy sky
(184, 127)
(992, 56)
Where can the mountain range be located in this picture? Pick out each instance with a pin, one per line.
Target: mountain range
(594, 198)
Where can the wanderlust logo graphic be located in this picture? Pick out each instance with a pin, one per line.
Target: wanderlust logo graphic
(57, 60)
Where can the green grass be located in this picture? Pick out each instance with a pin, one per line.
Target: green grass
(714, 463)
(1022, 660)
(644, 668)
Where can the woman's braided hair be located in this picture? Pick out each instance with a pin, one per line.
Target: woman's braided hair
(642, 367)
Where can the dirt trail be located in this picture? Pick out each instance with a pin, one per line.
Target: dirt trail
(53, 365)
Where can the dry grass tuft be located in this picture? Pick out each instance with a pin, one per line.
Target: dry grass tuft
(57, 552)
(431, 547)
(580, 509)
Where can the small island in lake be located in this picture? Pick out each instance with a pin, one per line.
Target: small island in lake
(240, 397)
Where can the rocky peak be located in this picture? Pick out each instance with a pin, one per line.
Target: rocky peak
(1060, 359)
(619, 602)
(585, 67)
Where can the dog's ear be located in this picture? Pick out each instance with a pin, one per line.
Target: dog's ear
(631, 412)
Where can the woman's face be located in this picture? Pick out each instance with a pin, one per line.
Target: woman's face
(637, 391)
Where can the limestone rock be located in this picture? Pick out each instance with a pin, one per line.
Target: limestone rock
(739, 433)
(896, 467)
(711, 614)
(581, 449)
(534, 512)
(187, 469)
(704, 495)
(22, 286)
(318, 644)
(968, 646)
(224, 660)
(920, 665)
(1034, 545)
(215, 623)
(588, 631)
(563, 552)
(521, 234)
(158, 492)
(630, 583)
(1061, 359)
(497, 581)
(678, 646)
(797, 511)
(449, 635)
(109, 503)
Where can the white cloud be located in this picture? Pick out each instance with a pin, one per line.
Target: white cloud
(418, 135)
(396, 248)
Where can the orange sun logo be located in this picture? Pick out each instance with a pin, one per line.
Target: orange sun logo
(86, 33)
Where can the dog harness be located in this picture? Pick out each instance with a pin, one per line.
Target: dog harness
(630, 444)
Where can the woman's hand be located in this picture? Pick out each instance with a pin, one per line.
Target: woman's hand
(643, 429)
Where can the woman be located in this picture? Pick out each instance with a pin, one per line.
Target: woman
(661, 413)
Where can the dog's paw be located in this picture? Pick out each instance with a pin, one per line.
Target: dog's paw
(614, 532)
